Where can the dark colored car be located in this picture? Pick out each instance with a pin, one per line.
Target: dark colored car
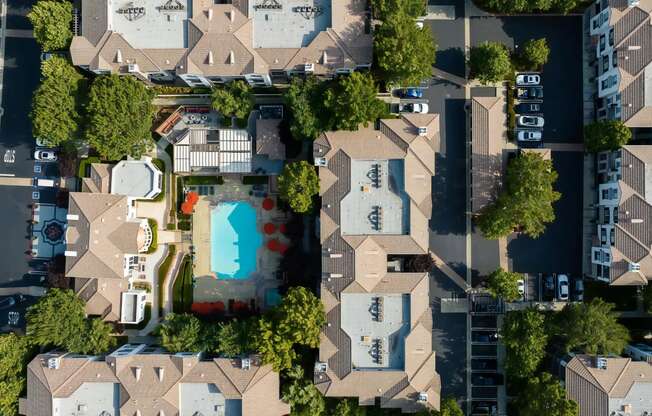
(530, 93)
(483, 408)
(486, 337)
(548, 288)
(410, 93)
(529, 108)
(487, 379)
(578, 290)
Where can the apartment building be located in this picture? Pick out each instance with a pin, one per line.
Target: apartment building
(104, 244)
(147, 381)
(620, 252)
(622, 33)
(205, 41)
(609, 386)
(376, 203)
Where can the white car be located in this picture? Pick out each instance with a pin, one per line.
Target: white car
(42, 143)
(530, 121)
(562, 287)
(529, 135)
(528, 79)
(416, 108)
(45, 155)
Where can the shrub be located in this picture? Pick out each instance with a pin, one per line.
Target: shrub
(84, 169)
(163, 270)
(489, 62)
(153, 225)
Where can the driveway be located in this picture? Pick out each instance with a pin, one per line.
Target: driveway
(559, 248)
(449, 38)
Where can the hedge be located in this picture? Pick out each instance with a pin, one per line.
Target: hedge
(83, 171)
(182, 289)
(511, 113)
(203, 180)
(153, 225)
(162, 271)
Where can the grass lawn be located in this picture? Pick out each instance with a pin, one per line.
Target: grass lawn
(162, 271)
(153, 225)
(624, 297)
(203, 180)
(182, 289)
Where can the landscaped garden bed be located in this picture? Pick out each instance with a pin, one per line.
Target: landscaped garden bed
(182, 288)
(162, 272)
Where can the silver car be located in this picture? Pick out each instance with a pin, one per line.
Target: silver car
(529, 135)
(530, 121)
(528, 79)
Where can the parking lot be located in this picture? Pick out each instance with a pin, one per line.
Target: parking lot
(561, 76)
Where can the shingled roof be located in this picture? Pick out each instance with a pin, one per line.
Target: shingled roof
(151, 384)
(357, 264)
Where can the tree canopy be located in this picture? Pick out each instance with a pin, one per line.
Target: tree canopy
(15, 352)
(55, 106)
(51, 21)
(405, 53)
(592, 328)
(606, 135)
(120, 115)
(233, 99)
(298, 184)
(504, 284)
(181, 333)
(234, 337)
(449, 407)
(526, 200)
(352, 101)
(302, 395)
(489, 62)
(304, 100)
(384, 8)
(525, 339)
(297, 320)
(76, 333)
(543, 395)
(528, 6)
(534, 53)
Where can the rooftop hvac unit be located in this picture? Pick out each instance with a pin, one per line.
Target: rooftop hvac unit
(131, 68)
(634, 267)
(423, 397)
(54, 363)
(309, 68)
(601, 363)
(320, 161)
(321, 367)
(423, 131)
(245, 363)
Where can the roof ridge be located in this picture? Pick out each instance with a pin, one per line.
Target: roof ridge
(586, 369)
(635, 28)
(339, 42)
(226, 376)
(633, 238)
(625, 367)
(72, 375)
(257, 378)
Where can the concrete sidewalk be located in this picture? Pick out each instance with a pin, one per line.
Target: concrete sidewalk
(13, 181)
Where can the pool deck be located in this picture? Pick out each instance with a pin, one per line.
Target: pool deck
(207, 287)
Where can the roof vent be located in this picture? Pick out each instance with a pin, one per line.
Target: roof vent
(54, 363)
(118, 56)
(137, 373)
(320, 161)
(210, 58)
(160, 371)
(634, 267)
(423, 131)
(309, 68)
(231, 15)
(321, 367)
(324, 58)
(231, 57)
(245, 363)
(423, 397)
(131, 68)
(601, 363)
(210, 14)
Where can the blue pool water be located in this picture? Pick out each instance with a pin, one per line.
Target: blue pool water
(234, 240)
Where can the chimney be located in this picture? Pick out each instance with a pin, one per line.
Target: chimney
(231, 15)
(210, 14)
(324, 58)
(137, 372)
(160, 371)
(118, 56)
(210, 57)
(231, 57)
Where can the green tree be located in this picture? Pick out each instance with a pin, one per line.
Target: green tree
(543, 395)
(606, 135)
(274, 348)
(504, 284)
(404, 52)
(10, 391)
(525, 202)
(301, 316)
(298, 184)
(234, 99)
(181, 333)
(489, 62)
(55, 116)
(234, 337)
(300, 98)
(120, 115)
(347, 407)
(51, 21)
(524, 336)
(592, 328)
(302, 395)
(384, 8)
(534, 53)
(15, 351)
(565, 6)
(449, 407)
(352, 101)
(98, 337)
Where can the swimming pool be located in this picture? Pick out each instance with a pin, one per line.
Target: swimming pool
(234, 240)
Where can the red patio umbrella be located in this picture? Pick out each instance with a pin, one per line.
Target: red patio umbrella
(192, 197)
(273, 245)
(268, 204)
(269, 228)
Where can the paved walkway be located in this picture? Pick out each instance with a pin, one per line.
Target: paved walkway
(26, 290)
(452, 274)
(167, 237)
(19, 33)
(455, 79)
(168, 282)
(564, 147)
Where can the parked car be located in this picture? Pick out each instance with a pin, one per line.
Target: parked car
(578, 289)
(530, 121)
(521, 287)
(7, 302)
(483, 409)
(42, 143)
(416, 108)
(487, 379)
(530, 93)
(548, 287)
(528, 79)
(529, 108)
(529, 135)
(562, 287)
(45, 155)
(484, 336)
(410, 93)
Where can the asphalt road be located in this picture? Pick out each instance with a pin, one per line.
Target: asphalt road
(449, 38)
(562, 75)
